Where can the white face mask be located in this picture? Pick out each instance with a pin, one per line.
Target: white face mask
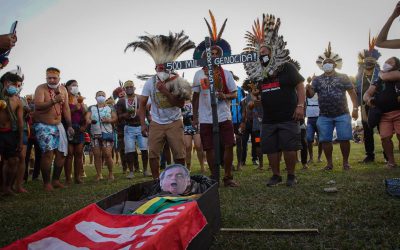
(53, 86)
(327, 67)
(387, 67)
(163, 76)
(74, 90)
(101, 99)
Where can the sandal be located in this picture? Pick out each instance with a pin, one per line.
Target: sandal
(390, 165)
(328, 168)
(229, 182)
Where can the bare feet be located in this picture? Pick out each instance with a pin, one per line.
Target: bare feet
(8, 192)
(99, 177)
(346, 166)
(48, 187)
(57, 184)
(78, 181)
(328, 168)
(21, 190)
(110, 177)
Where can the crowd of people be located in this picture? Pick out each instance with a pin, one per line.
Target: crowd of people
(282, 115)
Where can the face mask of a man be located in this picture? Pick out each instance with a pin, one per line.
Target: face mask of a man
(175, 181)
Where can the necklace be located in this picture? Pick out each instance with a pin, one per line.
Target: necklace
(52, 95)
(131, 106)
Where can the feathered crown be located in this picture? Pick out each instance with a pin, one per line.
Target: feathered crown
(265, 34)
(163, 48)
(216, 39)
(328, 54)
(18, 72)
(370, 52)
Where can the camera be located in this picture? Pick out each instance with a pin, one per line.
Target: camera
(94, 122)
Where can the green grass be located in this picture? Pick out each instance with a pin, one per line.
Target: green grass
(360, 215)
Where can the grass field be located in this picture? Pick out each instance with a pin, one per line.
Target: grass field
(359, 216)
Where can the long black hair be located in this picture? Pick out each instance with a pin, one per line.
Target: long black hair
(69, 82)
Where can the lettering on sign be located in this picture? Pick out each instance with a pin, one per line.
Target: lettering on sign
(239, 58)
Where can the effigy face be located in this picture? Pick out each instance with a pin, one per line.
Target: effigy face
(174, 180)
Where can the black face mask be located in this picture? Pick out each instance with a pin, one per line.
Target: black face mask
(264, 59)
(129, 91)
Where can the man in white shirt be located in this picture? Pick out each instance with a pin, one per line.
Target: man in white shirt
(225, 89)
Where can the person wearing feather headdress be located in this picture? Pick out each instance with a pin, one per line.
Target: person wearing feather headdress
(168, 92)
(225, 89)
(11, 129)
(282, 96)
(368, 71)
(331, 87)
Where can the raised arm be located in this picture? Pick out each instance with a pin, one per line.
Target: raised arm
(381, 40)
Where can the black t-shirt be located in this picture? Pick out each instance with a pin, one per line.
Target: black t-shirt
(279, 96)
(386, 96)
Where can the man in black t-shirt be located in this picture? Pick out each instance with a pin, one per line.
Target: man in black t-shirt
(282, 100)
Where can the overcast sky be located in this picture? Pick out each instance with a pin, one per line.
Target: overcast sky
(86, 39)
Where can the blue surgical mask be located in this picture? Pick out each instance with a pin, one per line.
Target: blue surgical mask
(12, 90)
(101, 99)
(328, 67)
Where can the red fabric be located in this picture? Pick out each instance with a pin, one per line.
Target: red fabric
(93, 228)
(270, 85)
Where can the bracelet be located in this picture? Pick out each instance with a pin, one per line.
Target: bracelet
(300, 105)
(355, 109)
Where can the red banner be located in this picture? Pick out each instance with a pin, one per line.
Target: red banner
(93, 228)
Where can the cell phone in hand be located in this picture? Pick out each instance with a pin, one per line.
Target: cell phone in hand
(13, 28)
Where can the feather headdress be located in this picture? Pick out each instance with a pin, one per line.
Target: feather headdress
(370, 52)
(265, 34)
(216, 39)
(18, 72)
(163, 48)
(328, 54)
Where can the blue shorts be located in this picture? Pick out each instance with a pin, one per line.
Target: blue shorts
(342, 123)
(133, 135)
(311, 128)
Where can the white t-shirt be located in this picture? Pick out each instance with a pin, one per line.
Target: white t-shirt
(162, 112)
(105, 112)
(223, 107)
(312, 108)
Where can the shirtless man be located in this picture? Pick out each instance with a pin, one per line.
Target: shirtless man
(51, 103)
(11, 128)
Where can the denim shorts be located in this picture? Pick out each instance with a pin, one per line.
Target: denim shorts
(132, 136)
(342, 123)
